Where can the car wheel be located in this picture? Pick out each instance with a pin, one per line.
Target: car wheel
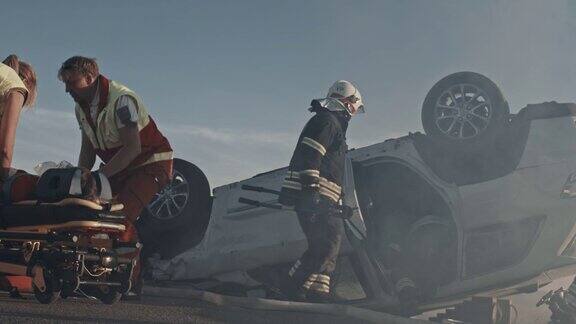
(464, 110)
(180, 203)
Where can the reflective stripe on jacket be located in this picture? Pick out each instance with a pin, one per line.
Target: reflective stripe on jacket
(318, 160)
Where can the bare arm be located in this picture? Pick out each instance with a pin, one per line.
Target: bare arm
(87, 156)
(130, 138)
(12, 106)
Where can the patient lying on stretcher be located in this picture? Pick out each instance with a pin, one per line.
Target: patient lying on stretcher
(77, 191)
(55, 185)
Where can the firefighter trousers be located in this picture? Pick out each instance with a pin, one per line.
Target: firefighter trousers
(311, 273)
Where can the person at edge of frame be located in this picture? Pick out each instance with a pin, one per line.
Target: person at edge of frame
(17, 90)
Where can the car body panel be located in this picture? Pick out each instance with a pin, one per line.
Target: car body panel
(532, 190)
(524, 211)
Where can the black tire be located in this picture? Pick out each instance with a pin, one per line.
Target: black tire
(190, 191)
(108, 295)
(464, 111)
(52, 291)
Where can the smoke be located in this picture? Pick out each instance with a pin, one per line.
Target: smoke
(529, 49)
(46, 135)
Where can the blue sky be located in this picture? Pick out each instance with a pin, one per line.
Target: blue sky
(229, 81)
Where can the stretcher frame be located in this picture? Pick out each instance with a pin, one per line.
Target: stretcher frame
(76, 257)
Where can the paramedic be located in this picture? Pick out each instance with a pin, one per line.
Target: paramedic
(17, 89)
(116, 127)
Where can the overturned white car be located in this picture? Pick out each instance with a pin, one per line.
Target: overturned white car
(480, 205)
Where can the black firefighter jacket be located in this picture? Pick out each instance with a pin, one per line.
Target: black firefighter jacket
(319, 158)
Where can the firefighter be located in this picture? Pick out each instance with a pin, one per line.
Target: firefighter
(116, 127)
(313, 186)
(17, 89)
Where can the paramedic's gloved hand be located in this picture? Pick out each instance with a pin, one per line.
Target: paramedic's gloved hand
(95, 174)
(103, 188)
(310, 201)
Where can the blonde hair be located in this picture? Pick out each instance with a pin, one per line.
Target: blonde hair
(26, 74)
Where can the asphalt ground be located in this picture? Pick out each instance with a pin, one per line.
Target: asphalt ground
(152, 309)
(148, 310)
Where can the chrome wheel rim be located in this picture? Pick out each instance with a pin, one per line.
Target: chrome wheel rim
(170, 201)
(463, 111)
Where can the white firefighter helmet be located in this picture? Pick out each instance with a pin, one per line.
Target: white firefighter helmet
(343, 96)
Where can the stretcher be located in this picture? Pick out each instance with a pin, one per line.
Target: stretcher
(67, 248)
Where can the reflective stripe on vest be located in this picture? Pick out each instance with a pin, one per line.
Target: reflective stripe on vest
(157, 157)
